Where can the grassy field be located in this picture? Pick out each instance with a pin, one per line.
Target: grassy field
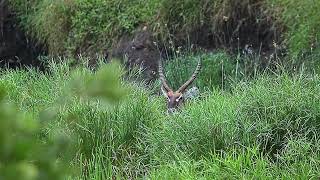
(102, 126)
(258, 115)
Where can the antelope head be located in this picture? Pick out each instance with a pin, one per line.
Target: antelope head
(176, 98)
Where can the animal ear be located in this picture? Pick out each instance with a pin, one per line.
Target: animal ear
(192, 93)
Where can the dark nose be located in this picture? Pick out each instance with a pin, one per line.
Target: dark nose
(171, 110)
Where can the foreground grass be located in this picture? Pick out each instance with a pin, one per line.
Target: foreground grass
(265, 128)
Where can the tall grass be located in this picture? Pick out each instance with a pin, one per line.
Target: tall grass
(302, 20)
(114, 132)
(276, 109)
(22, 154)
(243, 164)
(267, 128)
(216, 70)
(263, 128)
(204, 127)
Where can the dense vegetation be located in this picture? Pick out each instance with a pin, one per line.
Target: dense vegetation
(252, 131)
(250, 122)
(86, 26)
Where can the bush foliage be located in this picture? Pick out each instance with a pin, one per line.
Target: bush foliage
(302, 19)
(76, 26)
(22, 154)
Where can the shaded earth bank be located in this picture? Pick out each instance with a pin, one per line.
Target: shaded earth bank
(16, 48)
(238, 33)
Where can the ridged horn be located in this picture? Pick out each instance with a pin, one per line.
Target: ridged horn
(193, 77)
(163, 79)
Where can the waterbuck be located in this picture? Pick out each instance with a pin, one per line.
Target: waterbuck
(176, 98)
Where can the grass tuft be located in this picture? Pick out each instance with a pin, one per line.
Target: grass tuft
(265, 127)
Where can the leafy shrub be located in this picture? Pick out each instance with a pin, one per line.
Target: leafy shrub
(181, 15)
(22, 154)
(92, 26)
(48, 21)
(105, 21)
(76, 26)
